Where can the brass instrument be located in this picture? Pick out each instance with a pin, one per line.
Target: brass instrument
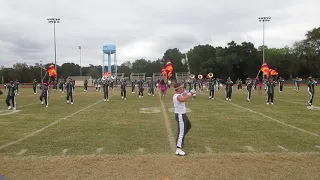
(210, 75)
(191, 76)
(200, 76)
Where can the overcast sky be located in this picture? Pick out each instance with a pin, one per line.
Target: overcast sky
(144, 28)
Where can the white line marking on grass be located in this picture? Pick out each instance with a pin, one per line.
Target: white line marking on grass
(65, 151)
(22, 152)
(275, 120)
(8, 112)
(167, 123)
(99, 150)
(209, 149)
(44, 128)
(317, 146)
(141, 150)
(250, 148)
(283, 148)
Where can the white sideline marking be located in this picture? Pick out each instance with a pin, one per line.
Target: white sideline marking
(317, 147)
(249, 148)
(8, 112)
(293, 127)
(65, 151)
(44, 128)
(283, 148)
(22, 152)
(209, 149)
(167, 123)
(141, 150)
(305, 104)
(99, 150)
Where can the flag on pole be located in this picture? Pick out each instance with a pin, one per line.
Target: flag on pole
(52, 71)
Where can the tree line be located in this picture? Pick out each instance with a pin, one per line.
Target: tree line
(242, 60)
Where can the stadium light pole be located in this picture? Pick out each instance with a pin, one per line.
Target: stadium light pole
(80, 48)
(54, 21)
(263, 20)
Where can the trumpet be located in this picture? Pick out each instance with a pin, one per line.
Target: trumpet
(210, 75)
(192, 76)
(200, 76)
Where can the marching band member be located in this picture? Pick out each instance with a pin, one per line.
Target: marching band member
(123, 89)
(141, 87)
(62, 85)
(200, 82)
(297, 83)
(151, 87)
(260, 85)
(211, 88)
(229, 85)
(249, 83)
(217, 84)
(70, 90)
(35, 86)
(17, 84)
(184, 125)
(133, 85)
(44, 94)
(239, 84)
(163, 88)
(11, 95)
(95, 84)
(270, 90)
(99, 84)
(281, 81)
(106, 85)
(111, 83)
(311, 89)
(85, 85)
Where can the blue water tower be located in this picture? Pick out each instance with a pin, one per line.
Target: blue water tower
(109, 48)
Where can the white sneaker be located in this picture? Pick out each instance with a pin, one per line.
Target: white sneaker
(139, 96)
(71, 102)
(229, 99)
(125, 99)
(105, 100)
(9, 107)
(179, 152)
(210, 97)
(46, 106)
(272, 103)
(14, 108)
(152, 94)
(41, 102)
(267, 103)
(67, 102)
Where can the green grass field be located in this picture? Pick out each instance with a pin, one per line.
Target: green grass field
(135, 139)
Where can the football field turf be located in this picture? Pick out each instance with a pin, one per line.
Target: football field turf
(135, 138)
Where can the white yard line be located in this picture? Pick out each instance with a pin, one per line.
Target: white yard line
(209, 149)
(99, 150)
(273, 119)
(22, 152)
(44, 128)
(65, 151)
(317, 147)
(250, 148)
(141, 150)
(283, 148)
(167, 123)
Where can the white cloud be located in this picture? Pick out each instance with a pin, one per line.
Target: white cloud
(144, 29)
